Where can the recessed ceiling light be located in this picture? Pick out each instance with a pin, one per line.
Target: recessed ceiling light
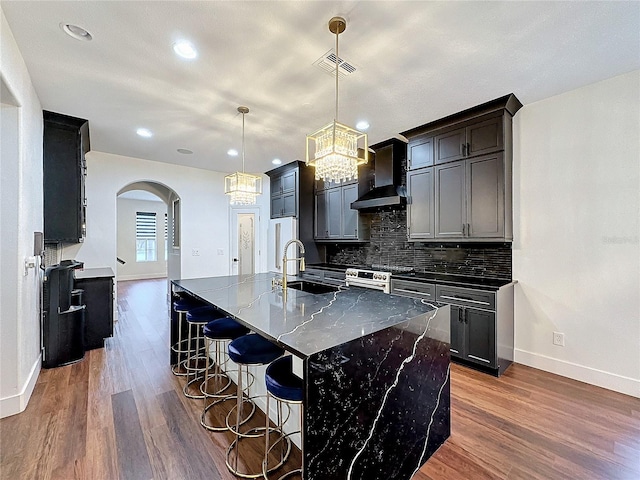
(185, 151)
(185, 49)
(276, 161)
(144, 132)
(76, 32)
(232, 152)
(362, 125)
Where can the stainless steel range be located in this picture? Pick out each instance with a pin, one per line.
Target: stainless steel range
(375, 279)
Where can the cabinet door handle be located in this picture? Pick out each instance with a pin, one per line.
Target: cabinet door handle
(477, 302)
(463, 147)
(412, 292)
(453, 350)
(468, 149)
(463, 230)
(478, 358)
(468, 229)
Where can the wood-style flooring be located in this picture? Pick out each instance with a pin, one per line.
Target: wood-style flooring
(121, 414)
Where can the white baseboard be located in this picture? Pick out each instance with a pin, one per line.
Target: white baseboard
(600, 378)
(141, 276)
(17, 403)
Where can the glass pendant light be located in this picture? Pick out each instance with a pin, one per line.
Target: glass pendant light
(242, 188)
(337, 146)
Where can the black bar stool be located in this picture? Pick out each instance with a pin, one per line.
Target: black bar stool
(245, 351)
(286, 388)
(217, 333)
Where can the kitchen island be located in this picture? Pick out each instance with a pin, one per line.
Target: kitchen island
(375, 369)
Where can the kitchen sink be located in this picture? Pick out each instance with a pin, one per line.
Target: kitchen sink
(312, 287)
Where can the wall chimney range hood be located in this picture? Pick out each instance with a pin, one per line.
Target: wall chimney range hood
(388, 190)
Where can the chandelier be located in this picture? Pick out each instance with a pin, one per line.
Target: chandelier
(336, 146)
(242, 188)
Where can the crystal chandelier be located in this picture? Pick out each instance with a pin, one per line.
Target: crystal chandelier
(337, 146)
(242, 188)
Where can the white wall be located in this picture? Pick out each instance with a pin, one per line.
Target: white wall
(21, 216)
(576, 253)
(204, 213)
(126, 238)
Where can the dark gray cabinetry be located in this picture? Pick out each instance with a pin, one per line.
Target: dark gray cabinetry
(335, 220)
(420, 204)
(65, 143)
(450, 192)
(471, 154)
(420, 152)
(481, 325)
(323, 276)
(291, 187)
(475, 137)
(470, 199)
(406, 288)
(284, 193)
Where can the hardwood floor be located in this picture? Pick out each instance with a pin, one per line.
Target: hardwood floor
(121, 414)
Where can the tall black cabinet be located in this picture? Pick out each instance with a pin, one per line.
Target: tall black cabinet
(66, 141)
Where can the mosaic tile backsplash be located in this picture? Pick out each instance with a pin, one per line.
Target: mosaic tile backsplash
(389, 246)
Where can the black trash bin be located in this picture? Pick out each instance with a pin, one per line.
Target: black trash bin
(63, 320)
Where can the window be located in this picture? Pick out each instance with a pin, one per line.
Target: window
(146, 237)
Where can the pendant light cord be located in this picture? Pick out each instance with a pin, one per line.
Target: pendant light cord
(337, 63)
(243, 143)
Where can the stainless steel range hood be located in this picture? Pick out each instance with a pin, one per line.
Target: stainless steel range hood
(388, 190)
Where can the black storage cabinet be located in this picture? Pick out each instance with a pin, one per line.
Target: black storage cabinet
(66, 141)
(97, 291)
(62, 322)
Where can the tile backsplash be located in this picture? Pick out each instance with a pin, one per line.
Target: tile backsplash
(389, 246)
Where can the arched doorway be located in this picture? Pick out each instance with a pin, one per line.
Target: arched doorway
(148, 231)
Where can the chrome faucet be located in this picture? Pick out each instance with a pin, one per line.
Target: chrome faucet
(285, 260)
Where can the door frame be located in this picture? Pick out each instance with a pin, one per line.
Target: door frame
(233, 232)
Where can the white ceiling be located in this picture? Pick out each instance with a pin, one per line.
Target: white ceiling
(417, 61)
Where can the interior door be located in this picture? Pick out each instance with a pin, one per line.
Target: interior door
(245, 240)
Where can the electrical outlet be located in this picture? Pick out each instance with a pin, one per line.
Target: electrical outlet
(195, 252)
(220, 251)
(558, 339)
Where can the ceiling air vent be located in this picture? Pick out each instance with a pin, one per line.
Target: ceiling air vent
(327, 63)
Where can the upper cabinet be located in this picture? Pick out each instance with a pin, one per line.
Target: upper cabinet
(284, 193)
(335, 220)
(459, 175)
(65, 143)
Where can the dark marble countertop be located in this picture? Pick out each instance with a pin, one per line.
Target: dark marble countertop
(454, 280)
(304, 323)
(430, 277)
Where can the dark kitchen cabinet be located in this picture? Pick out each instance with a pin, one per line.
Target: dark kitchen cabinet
(472, 139)
(420, 152)
(284, 193)
(292, 195)
(472, 154)
(335, 219)
(420, 204)
(470, 199)
(450, 192)
(97, 286)
(482, 332)
(65, 143)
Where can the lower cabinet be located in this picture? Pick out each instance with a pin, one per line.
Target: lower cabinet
(481, 321)
(98, 298)
(473, 335)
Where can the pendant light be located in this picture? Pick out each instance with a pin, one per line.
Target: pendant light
(242, 188)
(337, 146)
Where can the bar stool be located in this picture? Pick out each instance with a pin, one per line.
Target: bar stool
(286, 388)
(182, 346)
(251, 349)
(197, 356)
(217, 333)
